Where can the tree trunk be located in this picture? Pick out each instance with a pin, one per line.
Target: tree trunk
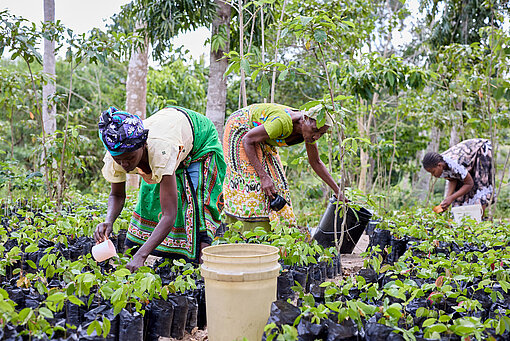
(422, 179)
(217, 88)
(454, 139)
(364, 132)
(278, 33)
(48, 110)
(244, 100)
(455, 134)
(136, 92)
(363, 155)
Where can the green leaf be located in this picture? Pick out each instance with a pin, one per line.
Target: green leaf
(50, 271)
(504, 285)
(283, 74)
(367, 309)
(464, 330)
(106, 326)
(320, 36)
(233, 67)
(254, 75)
(394, 312)
(46, 312)
(32, 248)
(429, 322)
(117, 295)
(94, 326)
(25, 314)
(122, 273)
(117, 308)
(32, 264)
(438, 328)
(75, 300)
(56, 297)
(4, 293)
(421, 312)
(245, 65)
(305, 20)
(385, 268)
(445, 318)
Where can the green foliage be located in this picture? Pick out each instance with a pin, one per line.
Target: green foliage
(160, 21)
(176, 83)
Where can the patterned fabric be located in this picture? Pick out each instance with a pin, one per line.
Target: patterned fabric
(244, 198)
(198, 213)
(169, 142)
(472, 156)
(121, 132)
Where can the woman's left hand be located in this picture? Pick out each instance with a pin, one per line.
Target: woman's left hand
(447, 202)
(135, 263)
(202, 246)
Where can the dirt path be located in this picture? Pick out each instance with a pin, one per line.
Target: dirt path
(352, 263)
(196, 335)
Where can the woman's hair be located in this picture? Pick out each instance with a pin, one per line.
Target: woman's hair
(431, 160)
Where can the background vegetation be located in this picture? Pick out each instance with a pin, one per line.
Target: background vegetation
(392, 101)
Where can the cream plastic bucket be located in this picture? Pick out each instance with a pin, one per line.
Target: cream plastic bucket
(240, 285)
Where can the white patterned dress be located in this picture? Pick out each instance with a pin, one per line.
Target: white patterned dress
(472, 156)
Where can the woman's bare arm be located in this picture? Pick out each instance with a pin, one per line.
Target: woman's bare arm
(251, 142)
(168, 198)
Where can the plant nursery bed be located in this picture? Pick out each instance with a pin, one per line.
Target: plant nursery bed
(51, 288)
(423, 278)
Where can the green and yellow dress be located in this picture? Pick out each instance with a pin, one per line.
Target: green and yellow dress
(243, 195)
(184, 143)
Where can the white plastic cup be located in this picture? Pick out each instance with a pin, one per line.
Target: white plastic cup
(103, 251)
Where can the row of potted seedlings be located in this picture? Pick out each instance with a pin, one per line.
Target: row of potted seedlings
(51, 288)
(424, 278)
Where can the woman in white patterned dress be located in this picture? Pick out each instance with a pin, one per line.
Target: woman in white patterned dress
(468, 168)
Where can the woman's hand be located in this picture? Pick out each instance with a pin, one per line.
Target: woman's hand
(102, 232)
(340, 197)
(136, 262)
(447, 202)
(202, 246)
(268, 186)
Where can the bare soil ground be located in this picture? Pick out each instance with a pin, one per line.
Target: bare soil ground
(352, 263)
(196, 335)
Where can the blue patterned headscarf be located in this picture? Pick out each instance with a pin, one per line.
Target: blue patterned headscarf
(121, 132)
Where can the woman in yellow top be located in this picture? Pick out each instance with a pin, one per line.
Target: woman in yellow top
(178, 154)
(255, 174)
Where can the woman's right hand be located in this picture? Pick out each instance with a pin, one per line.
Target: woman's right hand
(102, 232)
(268, 186)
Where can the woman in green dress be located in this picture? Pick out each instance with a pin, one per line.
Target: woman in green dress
(179, 156)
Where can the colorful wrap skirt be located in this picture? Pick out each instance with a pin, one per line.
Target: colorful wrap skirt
(198, 212)
(242, 191)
